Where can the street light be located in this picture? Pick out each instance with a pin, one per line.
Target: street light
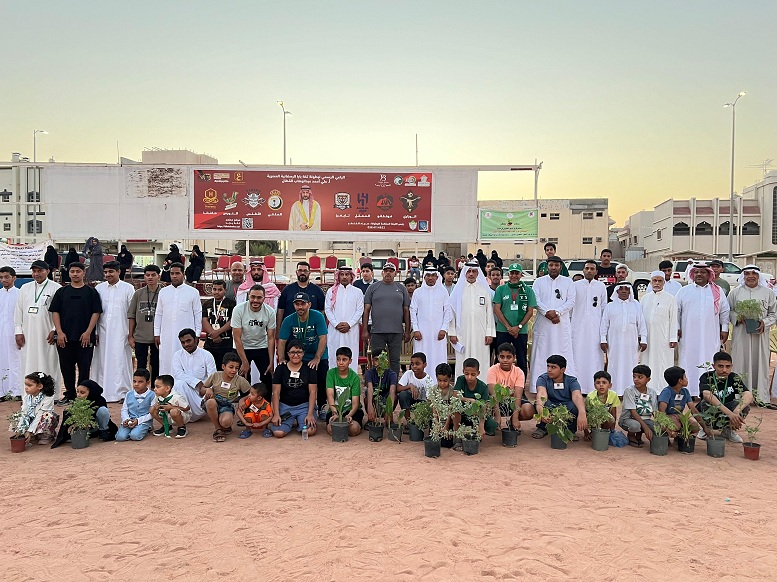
(285, 113)
(731, 208)
(36, 194)
(35, 144)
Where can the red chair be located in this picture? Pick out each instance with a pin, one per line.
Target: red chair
(107, 258)
(269, 265)
(395, 261)
(315, 265)
(222, 266)
(363, 261)
(235, 259)
(330, 268)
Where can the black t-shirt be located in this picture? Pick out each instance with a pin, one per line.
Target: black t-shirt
(727, 389)
(294, 390)
(75, 307)
(219, 314)
(286, 300)
(360, 284)
(606, 274)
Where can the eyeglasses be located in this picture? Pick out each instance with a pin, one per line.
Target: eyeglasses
(558, 294)
(296, 352)
(596, 301)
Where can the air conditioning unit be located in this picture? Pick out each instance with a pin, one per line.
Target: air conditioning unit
(518, 255)
(543, 240)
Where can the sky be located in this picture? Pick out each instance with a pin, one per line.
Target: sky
(622, 100)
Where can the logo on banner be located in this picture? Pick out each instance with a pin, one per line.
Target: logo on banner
(230, 201)
(382, 179)
(221, 176)
(398, 180)
(410, 201)
(412, 224)
(424, 182)
(362, 199)
(203, 176)
(410, 181)
(275, 201)
(248, 223)
(423, 226)
(253, 198)
(210, 197)
(238, 177)
(342, 200)
(385, 202)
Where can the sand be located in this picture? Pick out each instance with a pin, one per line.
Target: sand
(289, 509)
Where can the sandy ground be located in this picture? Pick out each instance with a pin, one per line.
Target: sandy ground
(288, 509)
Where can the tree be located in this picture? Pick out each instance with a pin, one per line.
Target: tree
(258, 248)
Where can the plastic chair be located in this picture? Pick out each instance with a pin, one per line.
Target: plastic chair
(269, 265)
(222, 266)
(315, 265)
(235, 259)
(107, 258)
(395, 261)
(330, 268)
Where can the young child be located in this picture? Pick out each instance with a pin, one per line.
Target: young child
(506, 373)
(675, 397)
(414, 384)
(554, 388)
(639, 403)
(603, 393)
(106, 429)
(386, 383)
(444, 374)
(255, 412)
(170, 409)
(38, 420)
(221, 389)
(341, 379)
(467, 386)
(721, 387)
(136, 419)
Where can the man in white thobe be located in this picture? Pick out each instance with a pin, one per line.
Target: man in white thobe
(472, 328)
(660, 311)
(430, 316)
(34, 326)
(191, 366)
(623, 336)
(344, 307)
(750, 351)
(112, 363)
(10, 355)
(671, 286)
(702, 316)
(552, 332)
(590, 301)
(178, 307)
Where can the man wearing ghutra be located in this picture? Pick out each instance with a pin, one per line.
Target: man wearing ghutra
(472, 329)
(430, 316)
(623, 336)
(344, 307)
(306, 212)
(750, 351)
(659, 308)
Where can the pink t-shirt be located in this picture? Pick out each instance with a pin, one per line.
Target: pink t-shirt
(511, 379)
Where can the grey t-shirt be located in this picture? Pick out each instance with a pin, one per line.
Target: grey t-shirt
(254, 324)
(644, 403)
(387, 306)
(142, 307)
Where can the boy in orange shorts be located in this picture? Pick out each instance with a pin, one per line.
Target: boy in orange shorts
(255, 411)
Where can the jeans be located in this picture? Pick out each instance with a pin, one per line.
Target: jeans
(103, 418)
(132, 434)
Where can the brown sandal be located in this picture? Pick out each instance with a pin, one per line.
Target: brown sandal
(219, 436)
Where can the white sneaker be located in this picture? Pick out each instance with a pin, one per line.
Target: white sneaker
(732, 436)
(701, 435)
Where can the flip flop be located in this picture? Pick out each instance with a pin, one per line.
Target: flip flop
(245, 434)
(539, 434)
(219, 437)
(267, 433)
(633, 442)
(458, 447)
(575, 439)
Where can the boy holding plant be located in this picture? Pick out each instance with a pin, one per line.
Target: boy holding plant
(469, 388)
(444, 374)
(385, 383)
(555, 388)
(675, 397)
(339, 380)
(604, 395)
(726, 390)
(639, 404)
(506, 373)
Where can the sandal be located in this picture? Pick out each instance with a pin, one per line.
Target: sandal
(575, 439)
(458, 447)
(635, 441)
(219, 436)
(539, 433)
(245, 434)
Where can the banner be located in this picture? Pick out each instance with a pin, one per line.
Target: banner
(247, 200)
(21, 257)
(517, 225)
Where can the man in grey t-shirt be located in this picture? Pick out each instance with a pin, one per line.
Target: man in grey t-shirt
(253, 332)
(389, 304)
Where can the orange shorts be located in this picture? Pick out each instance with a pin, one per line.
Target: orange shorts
(257, 417)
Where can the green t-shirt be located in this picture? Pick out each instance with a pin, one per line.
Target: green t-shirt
(340, 384)
(463, 388)
(514, 304)
(543, 269)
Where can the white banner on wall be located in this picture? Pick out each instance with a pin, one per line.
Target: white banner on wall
(20, 257)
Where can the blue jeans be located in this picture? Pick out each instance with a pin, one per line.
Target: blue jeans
(132, 434)
(103, 418)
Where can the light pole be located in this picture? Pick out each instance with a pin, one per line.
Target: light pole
(35, 143)
(285, 113)
(36, 194)
(733, 106)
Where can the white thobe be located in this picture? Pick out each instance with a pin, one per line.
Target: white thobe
(188, 371)
(550, 338)
(750, 351)
(660, 312)
(431, 313)
(112, 362)
(701, 328)
(177, 308)
(473, 325)
(37, 354)
(622, 328)
(348, 308)
(590, 301)
(10, 354)
(671, 286)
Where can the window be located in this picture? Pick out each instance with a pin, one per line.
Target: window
(723, 228)
(543, 240)
(7, 226)
(38, 227)
(774, 216)
(598, 239)
(588, 215)
(682, 229)
(555, 216)
(543, 215)
(553, 240)
(658, 234)
(587, 240)
(704, 228)
(599, 214)
(5, 196)
(33, 196)
(751, 228)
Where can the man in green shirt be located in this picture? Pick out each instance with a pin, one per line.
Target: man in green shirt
(550, 251)
(343, 379)
(717, 268)
(514, 304)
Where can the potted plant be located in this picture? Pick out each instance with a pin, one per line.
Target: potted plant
(686, 439)
(556, 421)
(475, 410)
(751, 311)
(80, 420)
(439, 411)
(394, 428)
(502, 395)
(662, 424)
(420, 417)
(752, 448)
(338, 425)
(379, 403)
(18, 441)
(715, 421)
(598, 415)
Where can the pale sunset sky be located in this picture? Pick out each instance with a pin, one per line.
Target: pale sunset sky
(622, 100)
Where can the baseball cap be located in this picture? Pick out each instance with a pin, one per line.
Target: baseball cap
(515, 267)
(302, 297)
(389, 266)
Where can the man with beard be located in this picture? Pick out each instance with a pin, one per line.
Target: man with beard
(305, 213)
(302, 285)
(259, 276)
(237, 275)
(344, 310)
(140, 316)
(590, 300)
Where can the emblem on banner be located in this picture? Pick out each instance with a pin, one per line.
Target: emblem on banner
(230, 201)
(238, 177)
(382, 179)
(424, 182)
(210, 197)
(275, 201)
(423, 226)
(412, 224)
(410, 181)
(385, 202)
(342, 200)
(253, 198)
(410, 201)
(398, 180)
(204, 176)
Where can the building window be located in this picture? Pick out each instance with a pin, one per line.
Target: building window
(33, 196)
(704, 228)
(682, 229)
(634, 240)
(38, 227)
(553, 240)
(543, 215)
(774, 216)
(587, 240)
(598, 239)
(599, 214)
(7, 226)
(751, 228)
(658, 234)
(723, 228)
(588, 215)
(5, 196)
(542, 240)
(555, 216)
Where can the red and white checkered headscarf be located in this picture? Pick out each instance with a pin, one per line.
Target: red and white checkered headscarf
(703, 266)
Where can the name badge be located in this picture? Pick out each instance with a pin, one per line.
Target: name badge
(644, 396)
(294, 374)
(482, 300)
(515, 307)
(225, 385)
(32, 309)
(253, 408)
(678, 397)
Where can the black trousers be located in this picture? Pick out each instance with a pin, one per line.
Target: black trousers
(260, 357)
(70, 356)
(218, 352)
(141, 355)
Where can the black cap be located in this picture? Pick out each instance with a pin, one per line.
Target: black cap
(716, 262)
(554, 259)
(40, 265)
(302, 297)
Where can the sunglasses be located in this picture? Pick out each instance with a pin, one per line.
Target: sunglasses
(596, 301)
(558, 294)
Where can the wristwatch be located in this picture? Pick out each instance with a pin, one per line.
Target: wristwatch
(520, 326)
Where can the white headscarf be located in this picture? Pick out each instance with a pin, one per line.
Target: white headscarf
(458, 291)
(762, 280)
(631, 291)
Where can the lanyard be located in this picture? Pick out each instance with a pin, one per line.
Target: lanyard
(304, 329)
(37, 295)
(151, 304)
